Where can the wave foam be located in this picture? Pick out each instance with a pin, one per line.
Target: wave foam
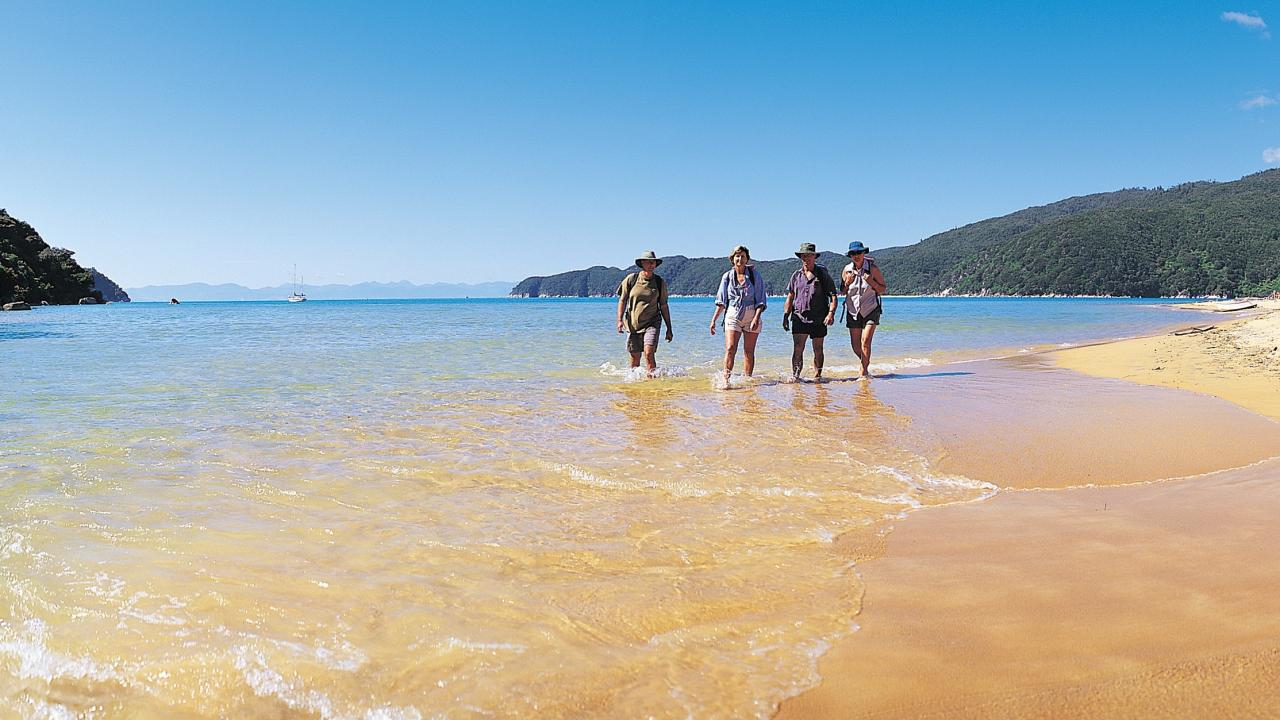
(586, 477)
(35, 661)
(266, 681)
(637, 374)
(12, 543)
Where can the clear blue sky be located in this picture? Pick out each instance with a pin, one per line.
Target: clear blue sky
(171, 142)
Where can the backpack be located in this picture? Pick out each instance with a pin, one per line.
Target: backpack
(627, 284)
(869, 264)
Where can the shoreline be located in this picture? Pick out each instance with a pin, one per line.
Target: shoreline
(1235, 358)
(1187, 300)
(1150, 598)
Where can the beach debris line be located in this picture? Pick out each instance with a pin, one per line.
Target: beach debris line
(1194, 330)
(1230, 306)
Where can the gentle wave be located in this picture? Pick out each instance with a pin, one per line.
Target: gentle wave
(396, 511)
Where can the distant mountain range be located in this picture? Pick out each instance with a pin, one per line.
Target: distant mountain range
(1199, 238)
(363, 291)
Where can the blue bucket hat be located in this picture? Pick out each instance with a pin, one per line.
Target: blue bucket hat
(857, 247)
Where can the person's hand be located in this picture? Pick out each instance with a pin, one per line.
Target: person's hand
(670, 335)
(755, 325)
(619, 326)
(831, 317)
(786, 321)
(713, 327)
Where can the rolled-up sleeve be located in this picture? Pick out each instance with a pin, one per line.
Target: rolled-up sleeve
(722, 295)
(760, 292)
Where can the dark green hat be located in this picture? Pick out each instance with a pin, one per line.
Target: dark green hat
(648, 255)
(807, 248)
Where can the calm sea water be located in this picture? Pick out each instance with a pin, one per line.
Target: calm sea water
(411, 509)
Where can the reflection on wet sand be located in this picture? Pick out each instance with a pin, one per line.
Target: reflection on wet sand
(651, 416)
(1022, 422)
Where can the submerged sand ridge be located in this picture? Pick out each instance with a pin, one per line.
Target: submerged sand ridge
(1150, 600)
(1024, 423)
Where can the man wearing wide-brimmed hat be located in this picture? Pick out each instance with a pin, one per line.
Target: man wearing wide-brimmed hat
(810, 308)
(642, 308)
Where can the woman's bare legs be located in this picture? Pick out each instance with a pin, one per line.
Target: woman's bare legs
(868, 333)
(749, 352)
(731, 350)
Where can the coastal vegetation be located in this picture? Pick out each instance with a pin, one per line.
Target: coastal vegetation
(33, 272)
(1200, 238)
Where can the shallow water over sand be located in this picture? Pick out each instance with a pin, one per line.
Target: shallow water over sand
(403, 510)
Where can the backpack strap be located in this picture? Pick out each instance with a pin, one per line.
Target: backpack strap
(628, 283)
(825, 280)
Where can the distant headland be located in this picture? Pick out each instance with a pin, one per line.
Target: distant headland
(35, 273)
(361, 291)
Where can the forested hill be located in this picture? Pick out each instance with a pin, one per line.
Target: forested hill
(684, 276)
(33, 272)
(1199, 238)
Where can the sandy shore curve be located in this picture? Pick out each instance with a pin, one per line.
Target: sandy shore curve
(1159, 599)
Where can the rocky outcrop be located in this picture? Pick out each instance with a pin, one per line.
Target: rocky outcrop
(110, 291)
(33, 272)
(9, 307)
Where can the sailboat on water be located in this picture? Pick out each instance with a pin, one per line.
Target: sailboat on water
(296, 295)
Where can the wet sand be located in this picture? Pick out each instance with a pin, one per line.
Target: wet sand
(1151, 600)
(1026, 423)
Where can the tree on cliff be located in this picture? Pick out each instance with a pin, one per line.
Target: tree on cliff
(34, 272)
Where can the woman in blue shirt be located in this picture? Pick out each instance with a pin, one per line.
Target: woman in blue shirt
(742, 299)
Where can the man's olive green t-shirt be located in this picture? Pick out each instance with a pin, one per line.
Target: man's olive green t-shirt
(645, 301)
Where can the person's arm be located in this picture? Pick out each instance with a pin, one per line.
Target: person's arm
(722, 299)
(722, 292)
(786, 309)
(832, 302)
(622, 302)
(666, 311)
(761, 299)
(876, 279)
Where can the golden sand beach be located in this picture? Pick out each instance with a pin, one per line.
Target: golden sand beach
(1156, 599)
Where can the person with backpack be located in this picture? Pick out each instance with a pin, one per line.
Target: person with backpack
(863, 284)
(810, 308)
(642, 308)
(741, 299)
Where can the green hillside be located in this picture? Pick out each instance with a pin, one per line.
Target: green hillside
(32, 271)
(1195, 239)
(684, 276)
